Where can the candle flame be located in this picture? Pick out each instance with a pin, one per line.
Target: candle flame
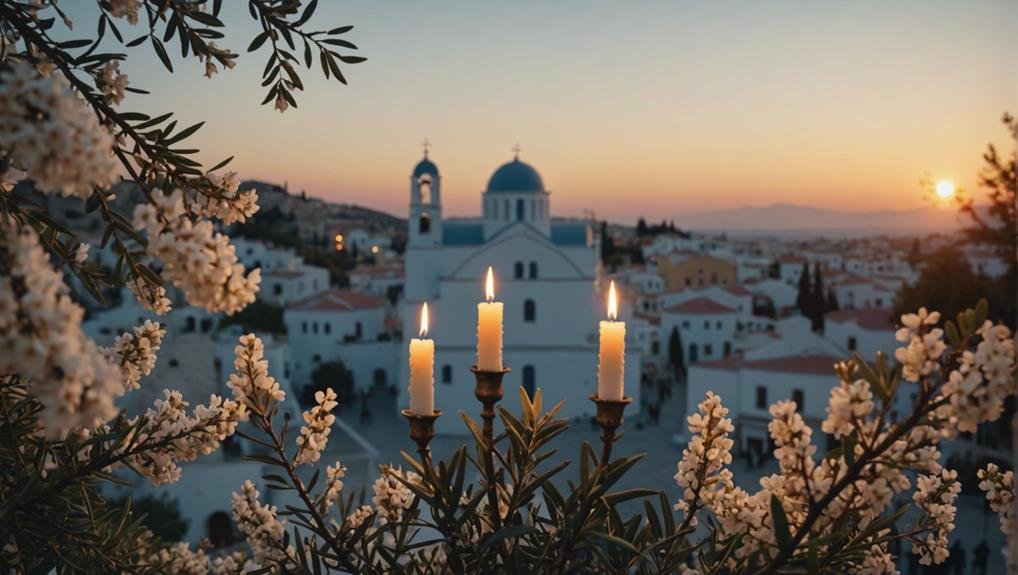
(424, 320)
(613, 304)
(489, 285)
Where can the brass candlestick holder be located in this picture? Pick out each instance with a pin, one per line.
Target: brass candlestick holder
(488, 390)
(422, 429)
(609, 418)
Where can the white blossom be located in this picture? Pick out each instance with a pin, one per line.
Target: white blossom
(151, 297)
(51, 133)
(112, 82)
(126, 9)
(976, 390)
(262, 529)
(850, 403)
(135, 352)
(250, 382)
(924, 346)
(999, 489)
(878, 562)
(700, 471)
(334, 475)
(196, 259)
(391, 497)
(181, 559)
(42, 341)
(172, 436)
(317, 425)
(235, 563)
(226, 202)
(935, 496)
(81, 253)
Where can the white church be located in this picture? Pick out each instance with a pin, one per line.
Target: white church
(547, 273)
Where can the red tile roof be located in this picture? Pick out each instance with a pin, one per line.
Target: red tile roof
(738, 290)
(804, 364)
(337, 300)
(700, 306)
(870, 318)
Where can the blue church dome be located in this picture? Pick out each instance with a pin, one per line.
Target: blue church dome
(516, 176)
(425, 166)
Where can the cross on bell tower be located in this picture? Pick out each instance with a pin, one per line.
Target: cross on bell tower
(426, 145)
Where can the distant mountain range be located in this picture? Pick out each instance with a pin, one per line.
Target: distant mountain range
(792, 219)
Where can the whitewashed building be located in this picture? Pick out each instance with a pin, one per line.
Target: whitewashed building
(285, 276)
(865, 331)
(547, 275)
(707, 328)
(341, 324)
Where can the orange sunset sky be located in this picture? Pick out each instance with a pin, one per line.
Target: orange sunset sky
(632, 108)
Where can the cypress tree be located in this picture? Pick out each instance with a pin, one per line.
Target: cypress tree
(675, 355)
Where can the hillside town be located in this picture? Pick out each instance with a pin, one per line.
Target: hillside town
(755, 320)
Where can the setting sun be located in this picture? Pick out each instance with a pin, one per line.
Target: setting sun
(945, 188)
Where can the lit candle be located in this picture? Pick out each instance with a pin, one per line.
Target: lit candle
(489, 329)
(612, 355)
(422, 370)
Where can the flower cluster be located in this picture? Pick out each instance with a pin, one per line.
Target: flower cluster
(976, 390)
(334, 475)
(935, 496)
(42, 341)
(999, 488)
(250, 382)
(233, 564)
(126, 9)
(51, 134)
(135, 352)
(701, 471)
(181, 559)
(151, 297)
(196, 258)
(850, 404)
(260, 526)
(391, 497)
(924, 346)
(112, 82)
(171, 435)
(317, 425)
(225, 201)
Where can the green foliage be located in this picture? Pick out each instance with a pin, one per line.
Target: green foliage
(334, 374)
(676, 357)
(259, 316)
(161, 515)
(946, 283)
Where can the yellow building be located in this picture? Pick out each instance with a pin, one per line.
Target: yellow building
(685, 269)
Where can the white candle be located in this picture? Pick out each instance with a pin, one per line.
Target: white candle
(422, 370)
(489, 329)
(612, 354)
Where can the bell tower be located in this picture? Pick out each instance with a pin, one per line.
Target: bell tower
(424, 230)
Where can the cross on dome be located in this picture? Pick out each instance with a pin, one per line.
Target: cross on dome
(516, 150)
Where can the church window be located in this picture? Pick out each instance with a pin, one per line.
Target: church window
(425, 186)
(424, 225)
(447, 374)
(518, 270)
(799, 398)
(520, 209)
(529, 380)
(533, 270)
(529, 310)
(533, 209)
(314, 327)
(359, 330)
(303, 327)
(328, 327)
(505, 209)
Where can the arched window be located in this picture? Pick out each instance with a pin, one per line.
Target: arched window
(529, 383)
(505, 209)
(424, 184)
(447, 374)
(424, 225)
(518, 270)
(358, 329)
(533, 209)
(533, 270)
(520, 209)
(529, 310)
